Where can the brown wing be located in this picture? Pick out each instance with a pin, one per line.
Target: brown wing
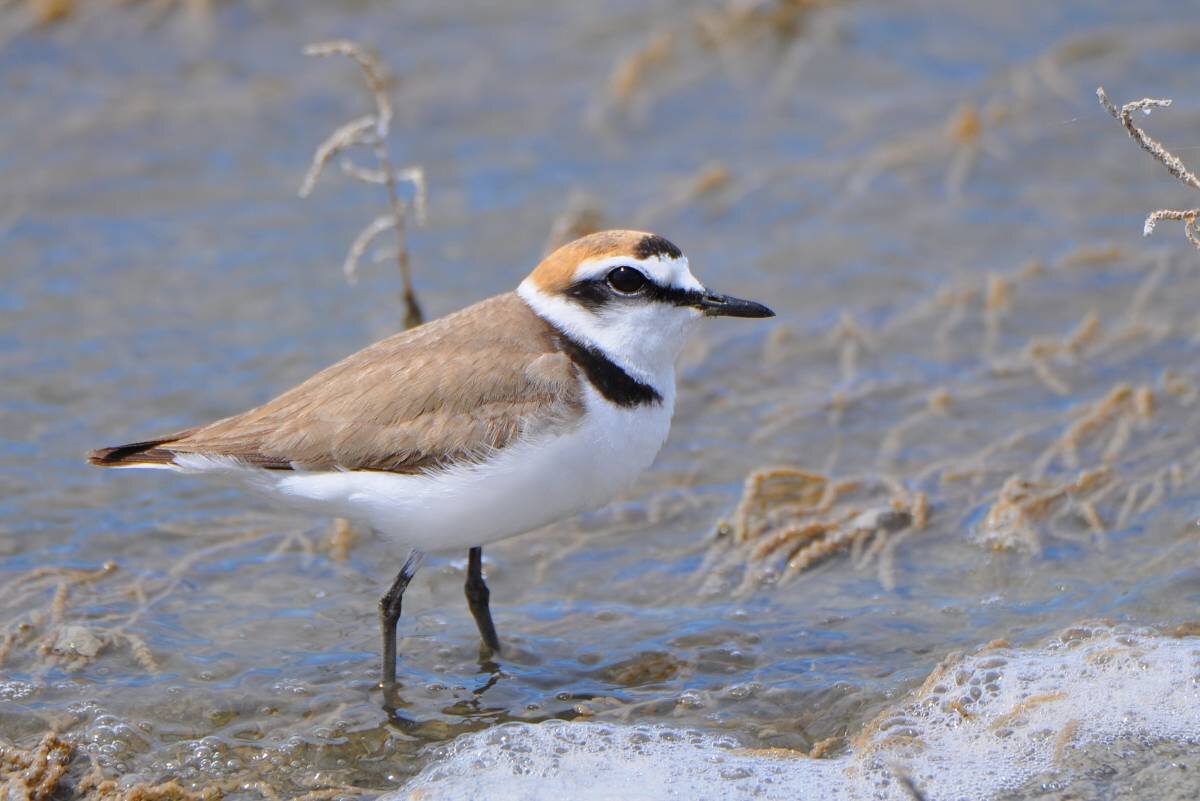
(457, 388)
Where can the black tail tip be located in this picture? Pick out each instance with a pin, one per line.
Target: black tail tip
(133, 453)
(105, 457)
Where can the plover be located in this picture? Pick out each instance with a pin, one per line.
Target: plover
(511, 414)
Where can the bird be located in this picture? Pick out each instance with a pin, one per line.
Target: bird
(516, 412)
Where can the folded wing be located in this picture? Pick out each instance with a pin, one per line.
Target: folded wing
(456, 389)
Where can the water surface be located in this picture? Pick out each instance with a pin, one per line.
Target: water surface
(945, 220)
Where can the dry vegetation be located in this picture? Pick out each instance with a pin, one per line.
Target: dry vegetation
(976, 127)
(43, 13)
(371, 131)
(1164, 157)
(733, 35)
(66, 620)
(54, 768)
(1079, 473)
(710, 34)
(790, 520)
(46, 631)
(1079, 476)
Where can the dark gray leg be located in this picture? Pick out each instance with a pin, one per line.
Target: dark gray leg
(477, 599)
(389, 615)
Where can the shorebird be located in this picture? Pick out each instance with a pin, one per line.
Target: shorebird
(521, 410)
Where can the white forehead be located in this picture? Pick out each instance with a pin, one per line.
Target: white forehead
(662, 270)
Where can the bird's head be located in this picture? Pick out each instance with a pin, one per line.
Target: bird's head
(629, 293)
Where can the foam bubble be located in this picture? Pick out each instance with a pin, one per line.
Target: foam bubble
(978, 726)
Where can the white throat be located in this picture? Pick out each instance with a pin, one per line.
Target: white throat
(643, 340)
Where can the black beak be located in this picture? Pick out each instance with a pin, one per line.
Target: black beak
(714, 304)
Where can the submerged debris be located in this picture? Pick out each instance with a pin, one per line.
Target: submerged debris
(957, 142)
(1074, 456)
(68, 618)
(713, 33)
(33, 774)
(1094, 443)
(51, 769)
(789, 520)
(48, 13)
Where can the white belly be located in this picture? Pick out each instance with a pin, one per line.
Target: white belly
(523, 487)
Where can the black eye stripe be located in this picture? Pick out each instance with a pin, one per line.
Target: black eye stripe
(595, 293)
(673, 295)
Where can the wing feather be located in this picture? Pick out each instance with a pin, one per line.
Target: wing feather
(461, 387)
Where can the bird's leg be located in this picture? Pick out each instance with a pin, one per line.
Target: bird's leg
(477, 599)
(389, 615)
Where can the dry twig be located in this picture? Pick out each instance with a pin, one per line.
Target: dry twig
(371, 130)
(1163, 156)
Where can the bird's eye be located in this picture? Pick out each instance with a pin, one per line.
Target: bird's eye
(626, 280)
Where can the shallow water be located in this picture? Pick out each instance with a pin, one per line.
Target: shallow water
(1001, 722)
(160, 271)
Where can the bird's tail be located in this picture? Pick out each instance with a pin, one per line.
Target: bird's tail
(137, 454)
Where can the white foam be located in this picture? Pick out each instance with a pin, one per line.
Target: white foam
(979, 725)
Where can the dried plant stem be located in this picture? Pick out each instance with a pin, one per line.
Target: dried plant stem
(1187, 217)
(372, 131)
(357, 131)
(1174, 165)
(412, 309)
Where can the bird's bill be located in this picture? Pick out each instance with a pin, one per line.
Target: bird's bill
(714, 304)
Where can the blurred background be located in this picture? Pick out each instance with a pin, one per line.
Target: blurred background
(973, 418)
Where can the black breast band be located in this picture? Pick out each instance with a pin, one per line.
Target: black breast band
(609, 379)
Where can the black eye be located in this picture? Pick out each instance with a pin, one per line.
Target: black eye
(626, 280)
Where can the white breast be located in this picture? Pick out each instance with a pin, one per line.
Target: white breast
(525, 486)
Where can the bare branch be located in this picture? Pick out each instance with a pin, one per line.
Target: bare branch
(355, 132)
(1174, 166)
(1187, 216)
(1163, 156)
(408, 175)
(362, 241)
(372, 130)
(373, 71)
(416, 177)
(361, 173)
